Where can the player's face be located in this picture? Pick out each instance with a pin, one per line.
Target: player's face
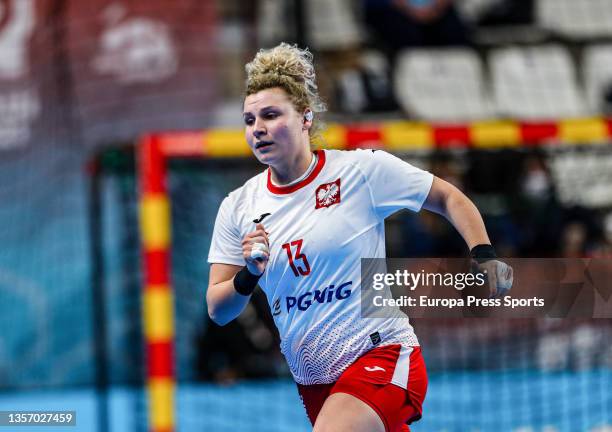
(274, 128)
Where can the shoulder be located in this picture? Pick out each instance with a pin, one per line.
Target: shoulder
(354, 157)
(362, 159)
(380, 165)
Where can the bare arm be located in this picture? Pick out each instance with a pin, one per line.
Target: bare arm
(448, 201)
(224, 302)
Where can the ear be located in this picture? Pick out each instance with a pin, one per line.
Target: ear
(308, 117)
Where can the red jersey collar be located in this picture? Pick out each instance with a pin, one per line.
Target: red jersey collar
(281, 190)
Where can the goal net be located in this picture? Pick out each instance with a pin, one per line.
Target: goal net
(485, 374)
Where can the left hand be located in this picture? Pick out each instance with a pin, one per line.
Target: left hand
(500, 276)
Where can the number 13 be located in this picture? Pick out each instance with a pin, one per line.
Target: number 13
(297, 270)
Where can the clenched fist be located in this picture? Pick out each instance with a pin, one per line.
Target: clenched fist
(500, 276)
(256, 250)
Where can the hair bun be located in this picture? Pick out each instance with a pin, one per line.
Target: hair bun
(276, 66)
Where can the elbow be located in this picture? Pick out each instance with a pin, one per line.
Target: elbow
(441, 197)
(216, 317)
(452, 200)
(214, 311)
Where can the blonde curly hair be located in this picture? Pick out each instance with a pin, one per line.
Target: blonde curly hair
(292, 69)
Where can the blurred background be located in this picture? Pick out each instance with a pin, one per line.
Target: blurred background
(80, 82)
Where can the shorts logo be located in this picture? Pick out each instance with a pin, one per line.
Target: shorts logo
(328, 194)
(374, 369)
(375, 338)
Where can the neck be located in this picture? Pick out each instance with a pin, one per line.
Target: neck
(293, 169)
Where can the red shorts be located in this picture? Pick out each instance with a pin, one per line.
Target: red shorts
(392, 380)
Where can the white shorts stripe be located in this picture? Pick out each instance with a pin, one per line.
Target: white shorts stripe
(402, 368)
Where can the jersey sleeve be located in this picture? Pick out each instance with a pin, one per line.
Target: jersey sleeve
(394, 184)
(226, 244)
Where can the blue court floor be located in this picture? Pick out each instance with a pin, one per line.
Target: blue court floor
(463, 401)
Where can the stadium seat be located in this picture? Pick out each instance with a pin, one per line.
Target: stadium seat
(583, 178)
(443, 85)
(597, 70)
(535, 83)
(332, 25)
(576, 18)
(473, 9)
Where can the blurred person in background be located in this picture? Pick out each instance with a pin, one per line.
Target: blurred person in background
(537, 209)
(299, 230)
(581, 233)
(400, 24)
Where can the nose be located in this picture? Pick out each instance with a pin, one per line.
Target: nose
(259, 129)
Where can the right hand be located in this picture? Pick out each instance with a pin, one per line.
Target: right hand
(256, 266)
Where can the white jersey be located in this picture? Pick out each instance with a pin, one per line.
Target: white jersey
(319, 229)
